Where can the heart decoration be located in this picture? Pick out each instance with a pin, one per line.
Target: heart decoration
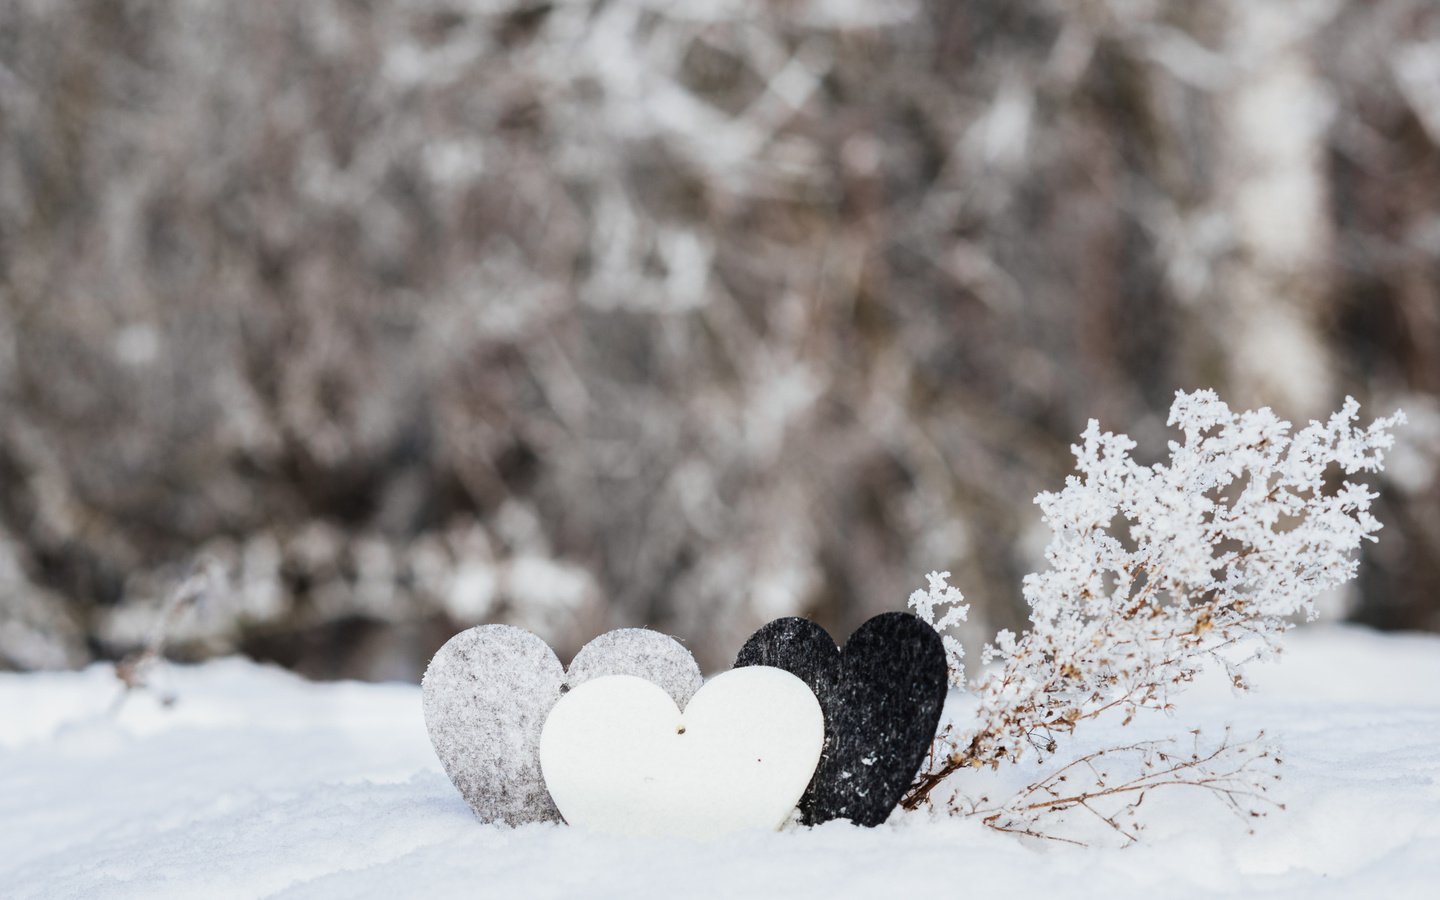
(620, 757)
(487, 693)
(882, 697)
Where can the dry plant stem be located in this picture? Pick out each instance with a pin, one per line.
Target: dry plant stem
(1238, 774)
(134, 669)
(1042, 736)
(1230, 771)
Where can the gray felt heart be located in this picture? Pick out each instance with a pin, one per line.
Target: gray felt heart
(488, 691)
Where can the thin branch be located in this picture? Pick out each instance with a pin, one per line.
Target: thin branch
(1231, 772)
(134, 669)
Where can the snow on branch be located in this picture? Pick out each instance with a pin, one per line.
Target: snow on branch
(1156, 571)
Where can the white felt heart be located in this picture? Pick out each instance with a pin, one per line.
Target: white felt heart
(619, 756)
(487, 692)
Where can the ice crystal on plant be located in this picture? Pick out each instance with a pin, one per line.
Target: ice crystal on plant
(943, 607)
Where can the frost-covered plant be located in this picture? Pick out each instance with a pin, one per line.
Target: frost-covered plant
(1157, 570)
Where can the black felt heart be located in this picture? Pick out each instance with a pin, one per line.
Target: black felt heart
(881, 696)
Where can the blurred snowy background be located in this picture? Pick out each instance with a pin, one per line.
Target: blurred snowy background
(592, 313)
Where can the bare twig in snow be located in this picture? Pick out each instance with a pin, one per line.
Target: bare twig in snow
(135, 669)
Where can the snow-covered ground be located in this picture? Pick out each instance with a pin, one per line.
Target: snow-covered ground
(256, 784)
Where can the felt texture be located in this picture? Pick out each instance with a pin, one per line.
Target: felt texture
(488, 690)
(882, 697)
(620, 757)
(640, 652)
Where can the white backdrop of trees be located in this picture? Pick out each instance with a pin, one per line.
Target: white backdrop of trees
(591, 313)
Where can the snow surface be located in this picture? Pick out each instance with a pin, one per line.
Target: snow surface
(256, 783)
